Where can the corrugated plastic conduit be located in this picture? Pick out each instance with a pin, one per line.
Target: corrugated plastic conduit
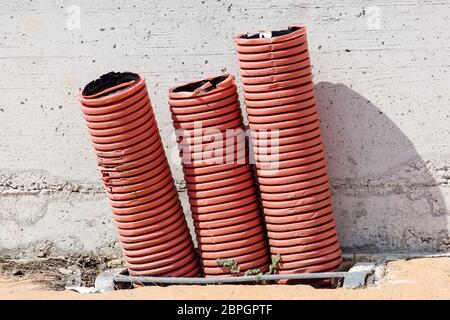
(221, 189)
(291, 169)
(151, 226)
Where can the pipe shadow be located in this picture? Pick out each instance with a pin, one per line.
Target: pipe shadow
(385, 197)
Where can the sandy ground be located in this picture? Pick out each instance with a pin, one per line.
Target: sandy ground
(424, 278)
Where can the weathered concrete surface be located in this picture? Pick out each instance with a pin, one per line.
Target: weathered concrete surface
(382, 75)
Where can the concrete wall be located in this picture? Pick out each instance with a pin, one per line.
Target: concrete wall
(382, 77)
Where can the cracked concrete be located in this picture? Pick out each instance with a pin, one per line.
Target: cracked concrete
(381, 75)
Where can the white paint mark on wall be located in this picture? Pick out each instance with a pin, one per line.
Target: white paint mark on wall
(73, 21)
(373, 20)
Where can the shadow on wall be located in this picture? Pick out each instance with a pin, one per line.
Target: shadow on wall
(385, 197)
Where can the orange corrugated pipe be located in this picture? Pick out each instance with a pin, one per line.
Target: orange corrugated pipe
(219, 179)
(292, 174)
(150, 223)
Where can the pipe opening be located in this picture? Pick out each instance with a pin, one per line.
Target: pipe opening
(191, 87)
(104, 85)
(270, 34)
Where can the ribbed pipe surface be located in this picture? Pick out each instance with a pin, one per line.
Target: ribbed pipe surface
(221, 188)
(150, 223)
(291, 168)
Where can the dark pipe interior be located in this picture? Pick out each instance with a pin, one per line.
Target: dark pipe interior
(195, 85)
(276, 33)
(108, 80)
